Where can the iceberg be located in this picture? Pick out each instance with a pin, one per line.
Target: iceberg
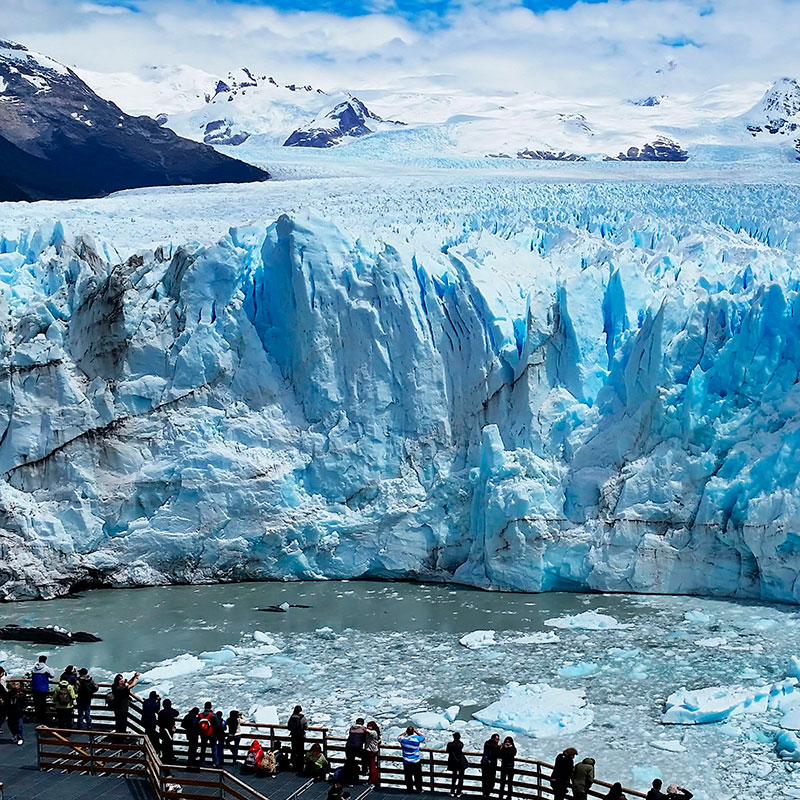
(537, 710)
(508, 383)
(478, 639)
(587, 621)
(173, 668)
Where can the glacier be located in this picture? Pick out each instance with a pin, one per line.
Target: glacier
(504, 380)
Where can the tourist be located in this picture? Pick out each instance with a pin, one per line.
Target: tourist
(64, 697)
(86, 689)
(354, 750)
(41, 675)
(218, 745)
(15, 709)
(508, 754)
(166, 731)
(372, 746)
(315, 765)
(561, 776)
(3, 695)
(121, 699)
(675, 792)
(655, 792)
(456, 764)
(298, 725)
(205, 730)
(582, 779)
(150, 708)
(615, 792)
(70, 674)
(3, 680)
(234, 735)
(491, 752)
(410, 742)
(338, 792)
(189, 725)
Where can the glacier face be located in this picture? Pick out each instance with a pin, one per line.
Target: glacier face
(509, 383)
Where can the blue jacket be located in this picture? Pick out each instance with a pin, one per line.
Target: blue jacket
(40, 677)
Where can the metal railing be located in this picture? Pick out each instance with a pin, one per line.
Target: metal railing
(531, 780)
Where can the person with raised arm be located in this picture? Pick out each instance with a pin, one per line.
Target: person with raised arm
(410, 742)
(121, 700)
(491, 753)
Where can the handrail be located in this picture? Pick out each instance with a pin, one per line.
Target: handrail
(531, 780)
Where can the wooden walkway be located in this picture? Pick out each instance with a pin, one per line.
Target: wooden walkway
(80, 765)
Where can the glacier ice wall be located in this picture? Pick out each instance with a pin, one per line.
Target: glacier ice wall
(592, 387)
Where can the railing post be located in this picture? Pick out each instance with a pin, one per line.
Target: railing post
(91, 753)
(539, 779)
(325, 743)
(432, 768)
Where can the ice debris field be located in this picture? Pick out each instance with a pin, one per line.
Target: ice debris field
(507, 380)
(700, 691)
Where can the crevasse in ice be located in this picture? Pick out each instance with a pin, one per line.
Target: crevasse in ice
(593, 387)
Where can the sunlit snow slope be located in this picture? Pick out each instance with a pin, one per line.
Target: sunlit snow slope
(496, 380)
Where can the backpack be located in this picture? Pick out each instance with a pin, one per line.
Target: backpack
(204, 725)
(63, 694)
(110, 700)
(254, 756)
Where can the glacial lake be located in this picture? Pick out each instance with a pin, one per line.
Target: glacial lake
(393, 651)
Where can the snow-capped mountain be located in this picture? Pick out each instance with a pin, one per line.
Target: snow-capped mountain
(349, 119)
(58, 139)
(229, 109)
(778, 113)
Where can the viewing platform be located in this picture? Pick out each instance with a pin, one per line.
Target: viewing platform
(98, 764)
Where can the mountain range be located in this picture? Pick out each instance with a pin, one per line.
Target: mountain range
(59, 139)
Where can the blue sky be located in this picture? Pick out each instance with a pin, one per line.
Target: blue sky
(582, 50)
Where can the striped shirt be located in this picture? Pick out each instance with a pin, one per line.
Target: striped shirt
(410, 743)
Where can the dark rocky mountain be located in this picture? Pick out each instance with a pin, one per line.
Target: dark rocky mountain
(60, 140)
(349, 119)
(549, 155)
(661, 149)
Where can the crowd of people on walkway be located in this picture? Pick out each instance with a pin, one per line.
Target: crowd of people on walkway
(209, 733)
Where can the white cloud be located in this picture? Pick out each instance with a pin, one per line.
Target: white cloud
(608, 49)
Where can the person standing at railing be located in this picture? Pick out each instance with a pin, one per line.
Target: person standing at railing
(41, 675)
(582, 779)
(508, 755)
(150, 708)
(205, 729)
(354, 751)
(121, 700)
(234, 734)
(297, 725)
(457, 764)
(64, 697)
(86, 689)
(3, 696)
(189, 725)
(218, 745)
(372, 746)
(70, 674)
(615, 792)
(166, 731)
(491, 753)
(410, 742)
(15, 709)
(561, 776)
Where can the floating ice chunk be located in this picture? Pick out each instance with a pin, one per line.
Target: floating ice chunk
(621, 654)
(265, 715)
(586, 621)
(787, 744)
(260, 672)
(268, 646)
(645, 774)
(716, 703)
(580, 669)
(537, 710)
(262, 637)
(228, 605)
(670, 745)
(221, 656)
(539, 637)
(715, 641)
(325, 633)
(284, 606)
(794, 668)
(697, 617)
(478, 639)
(452, 712)
(431, 721)
(172, 668)
(3, 656)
